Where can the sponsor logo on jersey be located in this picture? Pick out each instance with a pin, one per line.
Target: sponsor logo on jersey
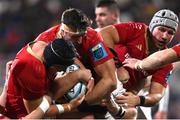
(98, 52)
(139, 46)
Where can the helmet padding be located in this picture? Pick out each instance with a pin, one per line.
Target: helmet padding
(166, 18)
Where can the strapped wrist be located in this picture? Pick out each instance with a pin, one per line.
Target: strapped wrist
(138, 66)
(142, 100)
(60, 108)
(67, 107)
(44, 106)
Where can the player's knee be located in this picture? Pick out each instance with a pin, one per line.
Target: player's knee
(131, 113)
(134, 112)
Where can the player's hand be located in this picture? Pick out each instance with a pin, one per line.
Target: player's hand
(131, 62)
(85, 75)
(8, 67)
(128, 99)
(90, 85)
(77, 101)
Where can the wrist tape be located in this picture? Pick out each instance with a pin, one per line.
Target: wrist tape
(60, 108)
(44, 106)
(142, 100)
(138, 66)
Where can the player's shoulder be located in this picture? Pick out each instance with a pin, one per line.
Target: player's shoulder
(91, 33)
(90, 30)
(131, 24)
(49, 34)
(26, 58)
(53, 28)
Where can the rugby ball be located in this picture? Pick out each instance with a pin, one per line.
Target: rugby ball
(79, 88)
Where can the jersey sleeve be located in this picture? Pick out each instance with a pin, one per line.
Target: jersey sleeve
(130, 31)
(30, 79)
(162, 75)
(48, 35)
(176, 48)
(97, 51)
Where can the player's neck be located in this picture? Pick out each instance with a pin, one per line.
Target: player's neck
(151, 45)
(37, 49)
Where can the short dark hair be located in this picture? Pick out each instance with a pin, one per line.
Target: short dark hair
(110, 4)
(76, 19)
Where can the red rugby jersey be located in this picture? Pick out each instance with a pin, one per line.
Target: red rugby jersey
(27, 80)
(133, 36)
(176, 48)
(92, 46)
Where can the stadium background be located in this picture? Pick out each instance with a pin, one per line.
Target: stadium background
(22, 20)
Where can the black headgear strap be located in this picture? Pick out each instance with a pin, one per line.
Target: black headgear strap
(58, 52)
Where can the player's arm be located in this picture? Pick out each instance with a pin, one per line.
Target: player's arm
(156, 92)
(130, 99)
(110, 35)
(46, 109)
(63, 108)
(4, 92)
(156, 60)
(106, 84)
(63, 83)
(90, 82)
(34, 107)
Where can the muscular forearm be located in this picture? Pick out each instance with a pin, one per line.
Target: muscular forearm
(53, 110)
(39, 111)
(63, 108)
(156, 92)
(158, 59)
(36, 114)
(63, 84)
(100, 91)
(152, 99)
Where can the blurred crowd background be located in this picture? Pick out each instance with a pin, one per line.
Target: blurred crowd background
(22, 20)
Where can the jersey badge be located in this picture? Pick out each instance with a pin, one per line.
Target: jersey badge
(98, 52)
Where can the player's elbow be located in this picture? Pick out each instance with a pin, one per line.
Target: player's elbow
(154, 99)
(158, 98)
(123, 75)
(113, 84)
